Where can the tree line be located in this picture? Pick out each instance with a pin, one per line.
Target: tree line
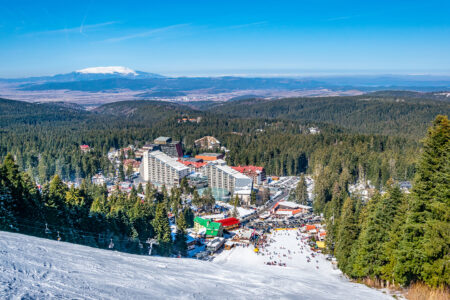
(88, 215)
(396, 238)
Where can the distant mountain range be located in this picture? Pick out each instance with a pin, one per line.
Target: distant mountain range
(213, 84)
(119, 83)
(95, 73)
(99, 79)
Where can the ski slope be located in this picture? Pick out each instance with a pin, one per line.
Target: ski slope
(32, 268)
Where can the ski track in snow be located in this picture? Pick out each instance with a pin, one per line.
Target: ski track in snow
(35, 268)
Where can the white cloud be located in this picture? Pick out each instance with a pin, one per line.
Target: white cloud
(148, 33)
(247, 25)
(79, 29)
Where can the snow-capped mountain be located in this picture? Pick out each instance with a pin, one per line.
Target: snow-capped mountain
(108, 70)
(91, 73)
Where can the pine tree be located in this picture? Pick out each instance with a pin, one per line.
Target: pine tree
(175, 207)
(56, 193)
(74, 198)
(333, 213)
(389, 251)
(162, 228)
(424, 251)
(346, 235)
(189, 217)
(180, 237)
(150, 193)
(235, 212)
(207, 199)
(7, 218)
(140, 189)
(253, 198)
(381, 214)
(184, 184)
(196, 199)
(100, 205)
(25, 197)
(301, 191)
(121, 173)
(165, 195)
(54, 196)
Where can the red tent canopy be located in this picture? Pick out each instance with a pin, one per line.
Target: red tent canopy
(228, 222)
(310, 227)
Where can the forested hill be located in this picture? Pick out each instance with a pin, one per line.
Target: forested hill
(388, 113)
(142, 112)
(146, 111)
(411, 95)
(380, 114)
(18, 112)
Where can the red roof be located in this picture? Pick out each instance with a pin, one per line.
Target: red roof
(195, 164)
(128, 161)
(243, 169)
(84, 147)
(228, 222)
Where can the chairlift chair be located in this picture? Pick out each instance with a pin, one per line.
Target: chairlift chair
(47, 231)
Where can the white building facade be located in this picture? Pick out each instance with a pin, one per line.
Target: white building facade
(160, 168)
(222, 176)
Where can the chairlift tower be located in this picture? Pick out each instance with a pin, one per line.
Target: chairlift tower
(150, 243)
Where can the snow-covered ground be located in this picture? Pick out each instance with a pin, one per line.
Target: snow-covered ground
(242, 212)
(38, 268)
(361, 189)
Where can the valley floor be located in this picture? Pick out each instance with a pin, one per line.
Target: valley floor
(39, 268)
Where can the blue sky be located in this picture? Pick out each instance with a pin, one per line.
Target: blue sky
(225, 37)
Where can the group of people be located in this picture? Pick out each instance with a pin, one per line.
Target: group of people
(278, 255)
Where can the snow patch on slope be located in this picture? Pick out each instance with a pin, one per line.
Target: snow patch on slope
(107, 70)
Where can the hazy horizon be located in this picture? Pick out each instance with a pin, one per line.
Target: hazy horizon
(274, 73)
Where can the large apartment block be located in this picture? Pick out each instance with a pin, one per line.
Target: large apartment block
(222, 176)
(169, 147)
(160, 168)
(257, 174)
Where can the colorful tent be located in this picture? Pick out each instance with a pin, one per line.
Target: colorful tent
(320, 244)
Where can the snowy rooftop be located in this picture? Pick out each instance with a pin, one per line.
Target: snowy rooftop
(214, 217)
(283, 212)
(171, 161)
(243, 212)
(232, 172)
(289, 204)
(293, 205)
(245, 191)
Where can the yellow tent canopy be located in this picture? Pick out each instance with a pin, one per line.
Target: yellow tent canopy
(320, 244)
